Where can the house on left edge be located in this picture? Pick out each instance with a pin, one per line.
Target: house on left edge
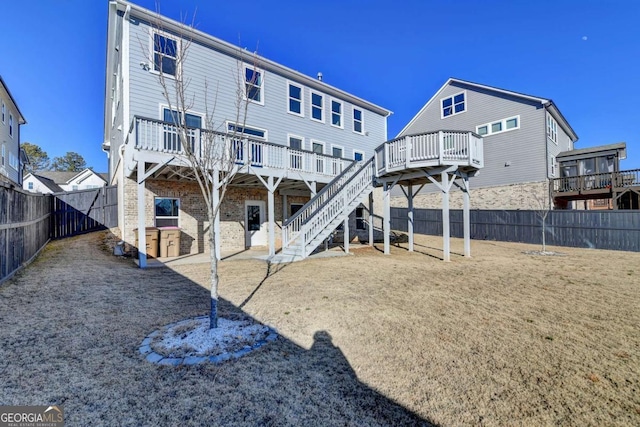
(12, 157)
(47, 182)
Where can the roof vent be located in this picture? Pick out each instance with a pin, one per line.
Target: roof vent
(320, 75)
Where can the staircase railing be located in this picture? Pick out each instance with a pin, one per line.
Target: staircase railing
(330, 202)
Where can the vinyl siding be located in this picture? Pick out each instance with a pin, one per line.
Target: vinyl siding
(523, 149)
(11, 144)
(564, 143)
(220, 72)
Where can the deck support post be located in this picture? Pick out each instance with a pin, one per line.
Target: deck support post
(271, 214)
(387, 217)
(216, 220)
(410, 216)
(371, 219)
(142, 215)
(466, 217)
(346, 239)
(284, 208)
(446, 240)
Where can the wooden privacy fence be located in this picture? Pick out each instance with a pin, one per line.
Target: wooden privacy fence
(81, 211)
(617, 230)
(29, 220)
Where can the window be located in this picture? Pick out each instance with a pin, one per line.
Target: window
(254, 84)
(172, 140)
(295, 207)
(10, 125)
(552, 129)
(13, 161)
(30, 186)
(453, 105)
(295, 157)
(552, 166)
(336, 113)
(167, 211)
(74, 188)
(499, 126)
(295, 100)
(358, 126)
(361, 223)
(3, 112)
(165, 54)
(317, 108)
(4, 153)
(358, 155)
(318, 148)
(254, 148)
(247, 131)
(336, 151)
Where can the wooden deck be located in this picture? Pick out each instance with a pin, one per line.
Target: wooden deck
(595, 186)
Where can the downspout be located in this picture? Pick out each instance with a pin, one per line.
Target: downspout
(546, 155)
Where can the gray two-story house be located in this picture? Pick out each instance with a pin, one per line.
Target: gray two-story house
(522, 136)
(12, 158)
(299, 132)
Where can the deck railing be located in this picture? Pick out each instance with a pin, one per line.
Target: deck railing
(163, 137)
(429, 149)
(596, 182)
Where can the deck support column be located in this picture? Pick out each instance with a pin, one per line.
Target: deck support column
(216, 220)
(271, 214)
(346, 235)
(387, 217)
(466, 217)
(371, 219)
(446, 240)
(410, 216)
(284, 208)
(142, 235)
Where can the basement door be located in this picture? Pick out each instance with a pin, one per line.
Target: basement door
(255, 223)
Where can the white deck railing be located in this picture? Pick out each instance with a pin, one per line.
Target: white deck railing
(430, 149)
(162, 137)
(330, 202)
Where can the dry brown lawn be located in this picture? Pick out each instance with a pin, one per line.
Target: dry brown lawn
(503, 338)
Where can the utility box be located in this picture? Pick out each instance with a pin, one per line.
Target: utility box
(169, 242)
(152, 234)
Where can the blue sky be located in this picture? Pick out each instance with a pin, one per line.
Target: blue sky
(583, 54)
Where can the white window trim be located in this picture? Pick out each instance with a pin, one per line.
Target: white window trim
(337, 146)
(290, 135)
(353, 116)
(193, 113)
(4, 109)
(311, 106)
(245, 126)
(552, 166)
(11, 132)
(152, 52)
(4, 154)
(331, 101)
(170, 217)
(504, 126)
(453, 109)
(315, 141)
(288, 97)
(358, 151)
(244, 83)
(553, 127)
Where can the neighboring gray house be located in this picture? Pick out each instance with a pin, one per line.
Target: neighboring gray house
(12, 157)
(300, 132)
(522, 135)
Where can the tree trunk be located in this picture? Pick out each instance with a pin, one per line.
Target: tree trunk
(213, 315)
(544, 241)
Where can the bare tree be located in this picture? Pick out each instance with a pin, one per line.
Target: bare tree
(542, 209)
(211, 158)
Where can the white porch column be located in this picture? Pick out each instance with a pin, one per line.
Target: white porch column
(271, 214)
(444, 176)
(410, 216)
(387, 217)
(371, 219)
(216, 220)
(466, 217)
(142, 236)
(346, 235)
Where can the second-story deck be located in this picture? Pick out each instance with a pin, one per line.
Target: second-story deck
(596, 186)
(157, 142)
(461, 149)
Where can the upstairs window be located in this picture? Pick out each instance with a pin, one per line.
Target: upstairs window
(552, 129)
(499, 126)
(336, 113)
(295, 100)
(453, 105)
(11, 125)
(357, 121)
(13, 161)
(3, 112)
(4, 153)
(317, 107)
(358, 155)
(165, 54)
(254, 84)
(247, 131)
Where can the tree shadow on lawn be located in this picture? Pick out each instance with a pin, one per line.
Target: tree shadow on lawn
(72, 325)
